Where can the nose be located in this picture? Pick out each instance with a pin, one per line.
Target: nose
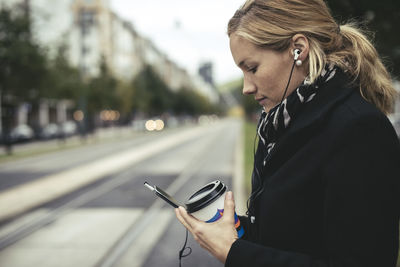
(248, 86)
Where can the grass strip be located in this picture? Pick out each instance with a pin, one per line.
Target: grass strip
(249, 134)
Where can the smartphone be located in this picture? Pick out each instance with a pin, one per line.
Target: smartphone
(162, 194)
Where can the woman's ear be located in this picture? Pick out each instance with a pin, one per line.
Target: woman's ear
(300, 41)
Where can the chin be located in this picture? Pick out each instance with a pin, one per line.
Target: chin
(270, 106)
(267, 108)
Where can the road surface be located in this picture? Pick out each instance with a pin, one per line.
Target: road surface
(87, 206)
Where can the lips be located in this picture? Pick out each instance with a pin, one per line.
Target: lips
(261, 99)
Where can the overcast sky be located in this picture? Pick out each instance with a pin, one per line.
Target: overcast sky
(188, 31)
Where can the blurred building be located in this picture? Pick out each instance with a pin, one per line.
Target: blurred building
(206, 72)
(92, 33)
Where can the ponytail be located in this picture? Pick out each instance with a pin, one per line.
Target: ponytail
(359, 57)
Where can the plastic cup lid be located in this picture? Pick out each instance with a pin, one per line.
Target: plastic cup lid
(205, 196)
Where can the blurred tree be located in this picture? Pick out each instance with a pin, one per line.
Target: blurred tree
(102, 93)
(125, 93)
(152, 96)
(250, 106)
(62, 81)
(23, 63)
(185, 102)
(382, 18)
(190, 102)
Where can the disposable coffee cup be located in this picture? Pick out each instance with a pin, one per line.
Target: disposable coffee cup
(207, 204)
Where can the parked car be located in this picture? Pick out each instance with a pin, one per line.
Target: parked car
(67, 129)
(49, 131)
(21, 133)
(62, 130)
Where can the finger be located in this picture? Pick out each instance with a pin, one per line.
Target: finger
(189, 219)
(229, 208)
(181, 219)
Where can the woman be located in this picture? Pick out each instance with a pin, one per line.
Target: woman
(325, 185)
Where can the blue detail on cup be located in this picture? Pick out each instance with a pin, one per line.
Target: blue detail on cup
(217, 215)
(238, 226)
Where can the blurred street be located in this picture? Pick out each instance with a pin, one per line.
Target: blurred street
(87, 206)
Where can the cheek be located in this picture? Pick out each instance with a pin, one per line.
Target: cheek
(267, 82)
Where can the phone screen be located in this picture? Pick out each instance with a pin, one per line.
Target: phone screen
(164, 195)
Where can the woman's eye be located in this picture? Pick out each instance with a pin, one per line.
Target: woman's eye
(253, 70)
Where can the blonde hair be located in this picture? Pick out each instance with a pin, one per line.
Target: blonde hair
(272, 24)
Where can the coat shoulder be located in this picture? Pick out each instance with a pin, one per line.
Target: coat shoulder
(355, 114)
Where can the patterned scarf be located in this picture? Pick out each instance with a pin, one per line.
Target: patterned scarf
(272, 124)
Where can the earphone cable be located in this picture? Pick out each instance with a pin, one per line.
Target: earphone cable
(182, 253)
(287, 85)
(260, 187)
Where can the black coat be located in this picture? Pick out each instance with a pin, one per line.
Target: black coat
(331, 189)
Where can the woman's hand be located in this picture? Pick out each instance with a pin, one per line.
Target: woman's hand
(217, 237)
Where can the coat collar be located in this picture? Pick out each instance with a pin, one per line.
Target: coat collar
(314, 114)
(331, 94)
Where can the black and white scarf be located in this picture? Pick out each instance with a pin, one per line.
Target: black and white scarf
(273, 123)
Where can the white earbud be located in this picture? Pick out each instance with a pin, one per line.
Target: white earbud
(296, 53)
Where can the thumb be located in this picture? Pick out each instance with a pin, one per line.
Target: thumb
(229, 207)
